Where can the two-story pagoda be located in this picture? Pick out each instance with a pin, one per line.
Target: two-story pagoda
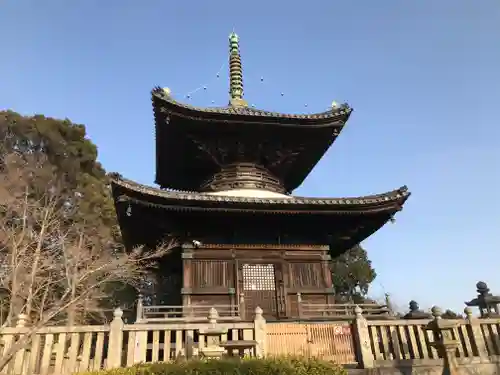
(227, 175)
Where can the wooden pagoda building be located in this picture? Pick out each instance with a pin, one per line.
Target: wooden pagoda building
(226, 178)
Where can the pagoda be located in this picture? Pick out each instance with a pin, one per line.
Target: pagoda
(226, 177)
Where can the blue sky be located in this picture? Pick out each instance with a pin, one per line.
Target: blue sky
(423, 78)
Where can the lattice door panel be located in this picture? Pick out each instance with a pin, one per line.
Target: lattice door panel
(259, 288)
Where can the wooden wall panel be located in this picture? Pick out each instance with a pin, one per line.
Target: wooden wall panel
(307, 275)
(212, 274)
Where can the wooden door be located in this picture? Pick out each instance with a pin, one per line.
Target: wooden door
(259, 289)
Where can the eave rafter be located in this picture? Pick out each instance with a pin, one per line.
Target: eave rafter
(273, 154)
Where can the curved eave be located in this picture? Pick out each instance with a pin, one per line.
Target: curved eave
(340, 223)
(165, 103)
(390, 202)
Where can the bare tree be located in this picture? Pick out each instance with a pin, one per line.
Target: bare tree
(54, 269)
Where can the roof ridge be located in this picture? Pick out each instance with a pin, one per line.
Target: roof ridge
(342, 109)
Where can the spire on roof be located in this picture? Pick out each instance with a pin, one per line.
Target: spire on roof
(235, 73)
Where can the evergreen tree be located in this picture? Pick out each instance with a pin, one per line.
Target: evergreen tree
(68, 152)
(352, 274)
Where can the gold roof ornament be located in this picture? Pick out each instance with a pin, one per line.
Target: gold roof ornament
(167, 91)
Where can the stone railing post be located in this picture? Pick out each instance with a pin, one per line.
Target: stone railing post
(476, 334)
(242, 306)
(114, 357)
(139, 313)
(444, 342)
(361, 336)
(260, 333)
(299, 305)
(19, 364)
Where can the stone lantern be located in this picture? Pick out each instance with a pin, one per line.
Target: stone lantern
(212, 335)
(485, 301)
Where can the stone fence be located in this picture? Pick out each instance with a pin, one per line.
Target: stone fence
(384, 345)
(421, 343)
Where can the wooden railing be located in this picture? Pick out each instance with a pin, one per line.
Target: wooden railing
(57, 350)
(361, 342)
(409, 340)
(412, 343)
(153, 343)
(341, 311)
(191, 313)
(67, 350)
(306, 311)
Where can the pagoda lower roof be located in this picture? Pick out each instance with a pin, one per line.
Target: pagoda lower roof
(126, 190)
(147, 214)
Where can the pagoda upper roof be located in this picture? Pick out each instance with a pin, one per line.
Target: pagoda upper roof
(165, 102)
(192, 144)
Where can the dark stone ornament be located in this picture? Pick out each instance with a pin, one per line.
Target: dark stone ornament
(416, 313)
(485, 301)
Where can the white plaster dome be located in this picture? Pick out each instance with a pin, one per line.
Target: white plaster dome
(250, 193)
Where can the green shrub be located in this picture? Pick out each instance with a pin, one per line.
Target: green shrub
(228, 366)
